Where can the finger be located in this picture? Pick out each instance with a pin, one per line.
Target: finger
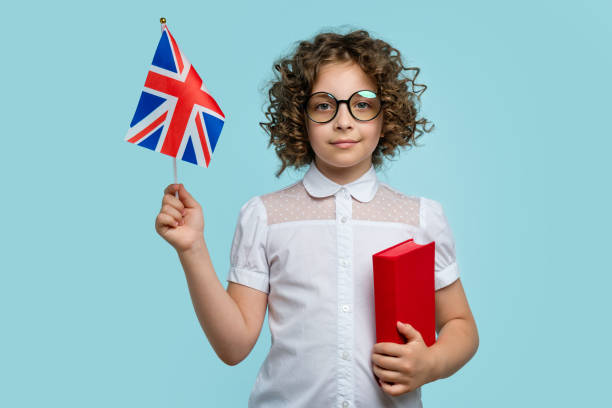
(166, 220)
(387, 348)
(186, 198)
(386, 362)
(174, 202)
(386, 375)
(408, 331)
(394, 389)
(171, 189)
(173, 212)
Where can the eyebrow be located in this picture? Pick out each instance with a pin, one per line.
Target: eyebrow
(352, 93)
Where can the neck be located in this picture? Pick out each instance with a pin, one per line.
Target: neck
(343, 175)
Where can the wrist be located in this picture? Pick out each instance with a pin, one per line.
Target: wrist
(436, 364)
(194, 248)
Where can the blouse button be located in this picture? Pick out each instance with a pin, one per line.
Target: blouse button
(345, 355)
(343, 220)
(346, 308)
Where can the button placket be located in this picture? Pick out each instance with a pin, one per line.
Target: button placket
(344, 238)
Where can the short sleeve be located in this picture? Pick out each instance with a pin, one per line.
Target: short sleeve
(248, 260)
(435, 228)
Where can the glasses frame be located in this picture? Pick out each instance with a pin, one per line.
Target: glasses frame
(348, 105)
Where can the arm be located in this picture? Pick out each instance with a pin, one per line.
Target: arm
(230, 319)
(457, 340)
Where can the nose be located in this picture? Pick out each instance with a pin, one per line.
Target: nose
(343, 119)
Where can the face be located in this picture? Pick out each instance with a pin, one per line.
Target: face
(343, 146)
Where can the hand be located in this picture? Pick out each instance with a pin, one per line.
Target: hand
(402, 368)
(180, 220)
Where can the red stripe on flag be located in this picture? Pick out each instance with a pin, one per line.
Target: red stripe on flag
(149, 128)
(202, 138)
(177, 53)
(191, 88)
(188, 93)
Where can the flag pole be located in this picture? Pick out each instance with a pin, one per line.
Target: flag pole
(176, 194)
(175, 179)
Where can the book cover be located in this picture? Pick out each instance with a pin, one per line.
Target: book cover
(404, 290)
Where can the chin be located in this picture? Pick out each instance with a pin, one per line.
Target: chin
(347, 163)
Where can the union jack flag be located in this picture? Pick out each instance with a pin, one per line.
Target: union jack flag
(176, 115)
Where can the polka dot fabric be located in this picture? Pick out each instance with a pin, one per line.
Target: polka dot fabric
(388, 205)
(295, 204)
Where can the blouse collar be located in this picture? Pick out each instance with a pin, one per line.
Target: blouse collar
(363, 189)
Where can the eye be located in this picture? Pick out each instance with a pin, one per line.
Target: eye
(362, 105)
(323, 106)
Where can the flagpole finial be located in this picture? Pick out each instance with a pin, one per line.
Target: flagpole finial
(162, 20)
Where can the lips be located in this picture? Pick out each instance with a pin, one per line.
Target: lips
(344, 141)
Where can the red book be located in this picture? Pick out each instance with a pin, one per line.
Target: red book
(404, 290)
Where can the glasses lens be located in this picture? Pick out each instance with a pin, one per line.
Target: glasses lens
(321, 107)
(365, 105)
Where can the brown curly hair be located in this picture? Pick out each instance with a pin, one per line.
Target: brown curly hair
(295, 76)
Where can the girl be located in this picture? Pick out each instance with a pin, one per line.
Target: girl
(338, 105)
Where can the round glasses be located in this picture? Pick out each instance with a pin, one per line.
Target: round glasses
(322, 107)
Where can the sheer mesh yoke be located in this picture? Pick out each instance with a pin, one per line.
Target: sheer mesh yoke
(295, 204)
(388, 205)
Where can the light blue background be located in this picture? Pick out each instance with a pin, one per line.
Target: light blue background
(94, 306)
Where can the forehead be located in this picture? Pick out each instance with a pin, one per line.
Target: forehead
(342, 79)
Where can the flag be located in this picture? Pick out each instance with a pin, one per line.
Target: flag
(176, 115)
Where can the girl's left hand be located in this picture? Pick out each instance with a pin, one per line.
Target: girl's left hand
(402, 368)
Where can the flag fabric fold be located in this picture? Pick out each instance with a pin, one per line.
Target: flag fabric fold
(176, 115)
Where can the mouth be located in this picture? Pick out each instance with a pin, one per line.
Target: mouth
(345, 143)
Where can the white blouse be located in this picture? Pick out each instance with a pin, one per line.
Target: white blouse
(309, 246)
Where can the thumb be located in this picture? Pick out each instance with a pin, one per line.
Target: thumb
(409, 332)
(186, 198)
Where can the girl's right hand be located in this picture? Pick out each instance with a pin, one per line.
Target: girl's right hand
(180, 220)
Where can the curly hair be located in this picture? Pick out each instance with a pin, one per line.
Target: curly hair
(295, 76)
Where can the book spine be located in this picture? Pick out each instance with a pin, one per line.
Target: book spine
(385, 298)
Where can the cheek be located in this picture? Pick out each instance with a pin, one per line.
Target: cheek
(316, 134)
(375, 130)
(372, 129)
